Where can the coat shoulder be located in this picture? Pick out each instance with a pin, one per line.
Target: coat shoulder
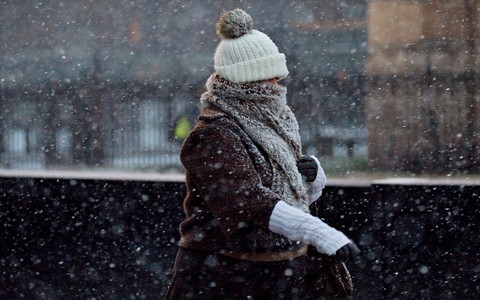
(213, 121)
(213, 131)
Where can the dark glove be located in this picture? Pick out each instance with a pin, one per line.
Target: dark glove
(307, 167)
(346, 253)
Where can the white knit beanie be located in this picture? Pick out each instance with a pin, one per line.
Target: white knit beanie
(246, 54)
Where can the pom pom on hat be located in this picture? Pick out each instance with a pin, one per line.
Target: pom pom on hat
(233, 24)
(245, 54)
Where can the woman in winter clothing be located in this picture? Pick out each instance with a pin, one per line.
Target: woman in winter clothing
(247, 229)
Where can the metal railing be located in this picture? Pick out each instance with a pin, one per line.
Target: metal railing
(130, 126)
(97, 128)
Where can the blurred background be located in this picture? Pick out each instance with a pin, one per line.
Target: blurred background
(379, 86)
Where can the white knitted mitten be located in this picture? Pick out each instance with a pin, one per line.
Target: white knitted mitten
(298, 225)
(316, 187)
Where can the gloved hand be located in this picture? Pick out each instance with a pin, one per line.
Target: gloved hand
(346, 253)
(307, 167)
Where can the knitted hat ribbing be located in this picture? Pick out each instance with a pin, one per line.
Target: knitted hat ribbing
(246, 54)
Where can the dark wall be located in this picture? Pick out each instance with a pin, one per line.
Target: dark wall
(77, 239)
(115, 239)
(430, 246)
(418, 241)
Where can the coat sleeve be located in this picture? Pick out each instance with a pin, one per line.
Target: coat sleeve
(220, 168)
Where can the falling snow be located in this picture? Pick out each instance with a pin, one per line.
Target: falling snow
(96, 98)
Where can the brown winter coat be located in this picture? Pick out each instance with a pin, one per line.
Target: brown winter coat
(228, 207)
(228, 203)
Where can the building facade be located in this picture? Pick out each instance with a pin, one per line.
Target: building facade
(423, 104)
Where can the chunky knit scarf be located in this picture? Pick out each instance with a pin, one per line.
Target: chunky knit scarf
(261, 110)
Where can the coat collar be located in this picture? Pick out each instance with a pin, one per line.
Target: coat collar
(211, 112)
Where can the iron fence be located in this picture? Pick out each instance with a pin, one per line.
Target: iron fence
(95, 125)
(121, 128)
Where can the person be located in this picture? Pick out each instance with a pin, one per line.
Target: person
(248, 233)
(182, 128)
